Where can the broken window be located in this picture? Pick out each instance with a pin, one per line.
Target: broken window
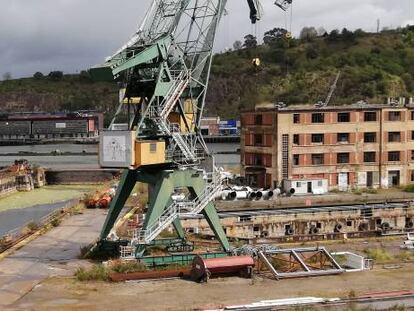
(394, 156)
(317, 159)
(317, 138)
(344, 117)
(343, 137)
(343, 158)
(370, 137)
(394, 136)
(370, 116)
(394, 116)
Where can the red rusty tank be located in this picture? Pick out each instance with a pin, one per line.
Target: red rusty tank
(203, 269)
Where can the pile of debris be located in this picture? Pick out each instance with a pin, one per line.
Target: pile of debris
(101, 199)
(21, 176)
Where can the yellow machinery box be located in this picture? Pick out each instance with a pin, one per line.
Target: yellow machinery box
(175, 117)
(149, 152)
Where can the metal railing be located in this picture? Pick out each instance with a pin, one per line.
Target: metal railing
(180, 209)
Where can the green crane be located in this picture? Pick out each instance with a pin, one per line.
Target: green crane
(163, 73)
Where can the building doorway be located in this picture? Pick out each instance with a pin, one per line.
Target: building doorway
(394, 178)
(370, 179)
(310, 187)
(343, 181)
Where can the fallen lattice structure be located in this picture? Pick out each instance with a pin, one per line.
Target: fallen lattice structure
(298, 262)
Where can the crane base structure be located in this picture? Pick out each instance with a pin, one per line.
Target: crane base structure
(163, 211)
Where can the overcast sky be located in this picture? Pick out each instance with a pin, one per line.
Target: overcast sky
(71, 35)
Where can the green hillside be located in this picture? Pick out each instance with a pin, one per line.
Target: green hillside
(295, 71)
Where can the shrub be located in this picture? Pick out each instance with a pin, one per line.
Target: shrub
(33, 226)
(379, 255)
(127, 267)
(95, 273)
(408, 188)
(56, 222)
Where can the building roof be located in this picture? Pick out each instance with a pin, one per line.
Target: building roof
(315, 108)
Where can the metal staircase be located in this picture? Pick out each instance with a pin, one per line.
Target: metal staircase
(174, 93)
(179, 209)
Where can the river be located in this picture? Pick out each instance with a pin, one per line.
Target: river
(91, 161)
(14, 218)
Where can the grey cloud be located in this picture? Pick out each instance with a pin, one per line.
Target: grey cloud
(71, 35)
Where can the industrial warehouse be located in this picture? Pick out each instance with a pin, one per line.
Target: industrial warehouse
(143, 202)
(35, 126)
(313, 150)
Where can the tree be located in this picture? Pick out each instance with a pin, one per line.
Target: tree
(334, 35)
(321, 31)
(38, 75)
(56, 75)
(308, 34)
(347, 35)
(274, 35)
(7, 76)
(237, 45)
(250, 42)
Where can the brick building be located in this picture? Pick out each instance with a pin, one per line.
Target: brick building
(349, 147)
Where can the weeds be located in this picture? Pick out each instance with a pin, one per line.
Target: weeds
(101, 273)
(379, 255)
(56, 222)
(127, 267)
(33, 226)
(95, 273)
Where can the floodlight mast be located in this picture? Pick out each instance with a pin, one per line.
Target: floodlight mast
(163, 72)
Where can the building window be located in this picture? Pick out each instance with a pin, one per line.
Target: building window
(258, 119)
(318, 117)
(245, 218)
(412, 175)
(295, 159)
(370, 137)
(296, 118)
(394, 156)
(317, 159)
(412, 155)
(394, 116)
(412, 135)
(370, 116)
(343, 137)
(296, 139)
(317, 138)
(369, 157)
(258, 140)
(343, 158)
(394, 137)
(344, 117)
(258, 160)
(412, 115)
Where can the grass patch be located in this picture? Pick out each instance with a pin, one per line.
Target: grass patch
(56, 222)
(127, 267)
(408, 188)
(95, 273)
(44, 195)
(33, 226)
(101, 273)
(379, 255)
(405, 256)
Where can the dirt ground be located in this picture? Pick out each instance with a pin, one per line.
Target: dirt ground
(69, 294)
